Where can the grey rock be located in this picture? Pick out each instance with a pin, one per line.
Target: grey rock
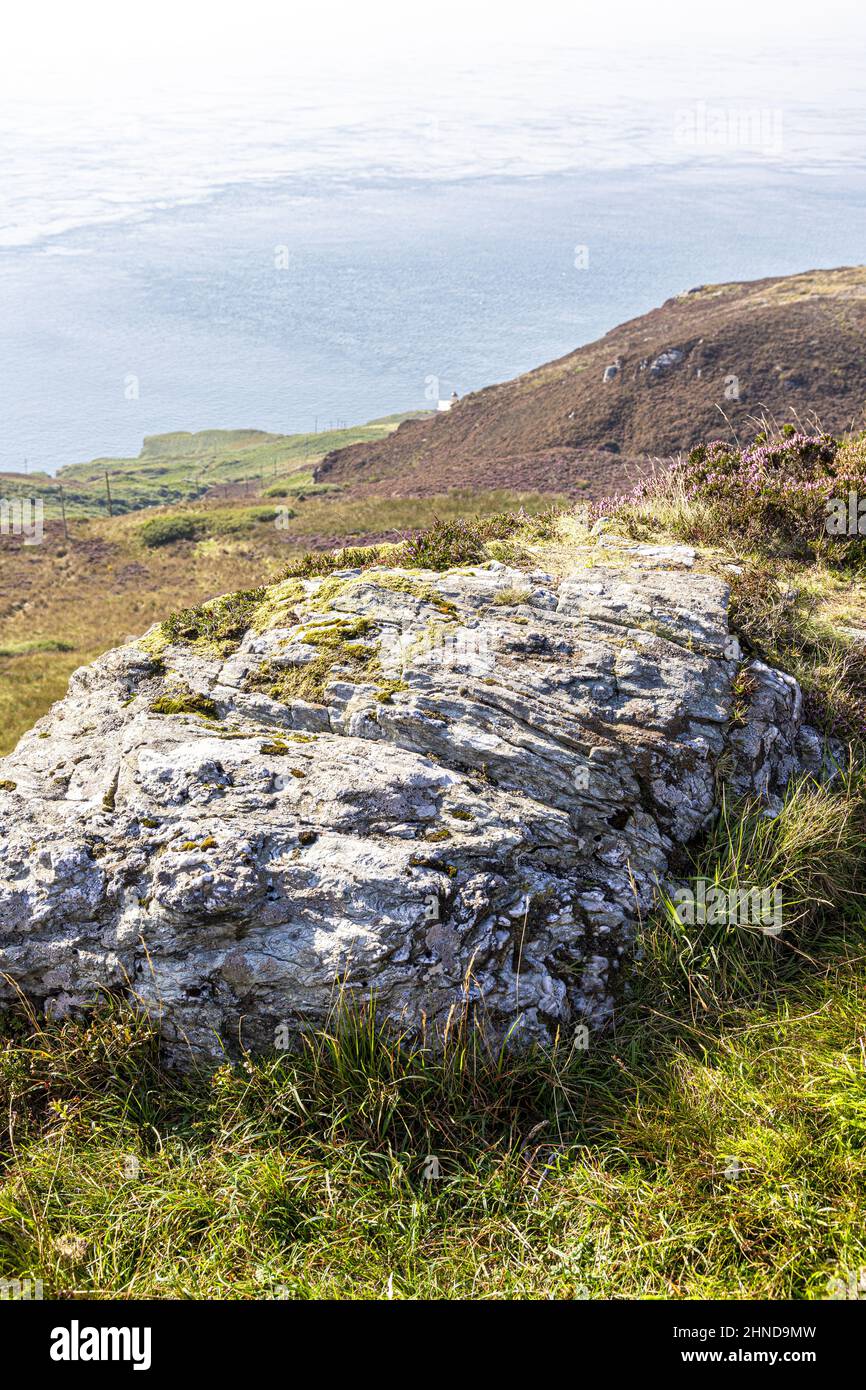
(672, 357)
(472, 824)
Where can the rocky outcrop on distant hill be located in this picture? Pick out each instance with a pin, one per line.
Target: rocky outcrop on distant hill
(702, 366)
(456, 792)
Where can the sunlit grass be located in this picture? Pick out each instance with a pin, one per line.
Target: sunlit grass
(721, 1159)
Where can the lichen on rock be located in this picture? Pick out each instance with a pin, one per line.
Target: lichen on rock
(491, 772)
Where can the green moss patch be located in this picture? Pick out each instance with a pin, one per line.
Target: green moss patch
(386, 690)
(185, 702)
(416, 588)
(339, 648)
(276, 608)
(279, 747)
(219, 624)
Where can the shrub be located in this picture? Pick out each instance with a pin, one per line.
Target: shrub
(314, 564)
(457, 542)
(772, 495)
(165, 530)
(444, 544)
(437, 547)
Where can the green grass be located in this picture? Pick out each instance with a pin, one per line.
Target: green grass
(786, 614)
(35, 645)
(182, 467)
(713, 1146)
(722, 1160)
(812, 854)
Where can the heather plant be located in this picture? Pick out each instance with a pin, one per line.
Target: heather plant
(446, 542)
(772, 495)
(457, 542)
(318, 564)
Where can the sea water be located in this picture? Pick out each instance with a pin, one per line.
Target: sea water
(296, 258)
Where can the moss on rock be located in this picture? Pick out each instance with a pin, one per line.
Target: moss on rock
(219, 624)
(185, 702)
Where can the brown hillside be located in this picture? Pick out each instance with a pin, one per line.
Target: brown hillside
(795, 344)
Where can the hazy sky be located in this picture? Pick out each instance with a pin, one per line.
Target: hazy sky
(107, 108)
(54, 49)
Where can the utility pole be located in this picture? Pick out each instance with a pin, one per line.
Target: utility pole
(108, 493)
(63, 513)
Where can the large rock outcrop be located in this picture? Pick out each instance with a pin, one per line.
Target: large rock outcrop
(456, 792)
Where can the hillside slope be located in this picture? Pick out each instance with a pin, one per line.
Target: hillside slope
(789, 346)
